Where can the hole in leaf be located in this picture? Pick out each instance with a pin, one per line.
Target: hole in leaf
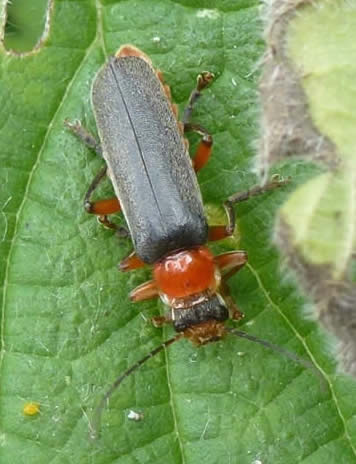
(25, 25)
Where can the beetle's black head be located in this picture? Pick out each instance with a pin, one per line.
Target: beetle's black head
(208, 313)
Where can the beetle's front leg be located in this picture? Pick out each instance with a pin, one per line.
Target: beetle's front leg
(160, 321)
(229, 263)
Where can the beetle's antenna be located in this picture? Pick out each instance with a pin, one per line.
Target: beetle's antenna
(95, 425)
(279, 349)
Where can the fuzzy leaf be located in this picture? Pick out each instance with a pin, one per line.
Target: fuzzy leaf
(322, 214)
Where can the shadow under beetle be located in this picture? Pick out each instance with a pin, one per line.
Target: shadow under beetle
(154, 179)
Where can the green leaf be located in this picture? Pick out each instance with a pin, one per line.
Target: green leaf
(68, 329)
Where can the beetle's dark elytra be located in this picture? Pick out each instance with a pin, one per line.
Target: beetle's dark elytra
(145, 153)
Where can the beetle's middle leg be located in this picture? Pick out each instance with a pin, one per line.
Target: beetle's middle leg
(204, 149)
(101, 208)
(221, 232)
(203, 80)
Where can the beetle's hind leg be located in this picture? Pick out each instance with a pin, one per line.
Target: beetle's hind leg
(84, 135)
(102, 208)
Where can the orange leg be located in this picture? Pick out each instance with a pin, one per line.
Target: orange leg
(230, 263)
(204, 149)
(145, 291)
(131, 262)
(205, 146)
(218, 233)
(202, 154)
(103, 207)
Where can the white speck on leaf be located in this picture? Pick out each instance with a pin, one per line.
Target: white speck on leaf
(208, 13)
(135, 416)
